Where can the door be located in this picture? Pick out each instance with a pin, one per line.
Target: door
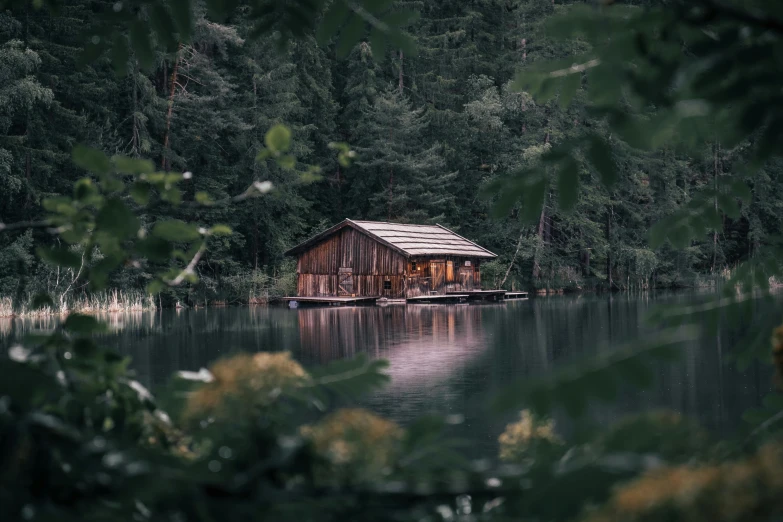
(449, 272)
(466, 277)
(345, 281)
(438, 275)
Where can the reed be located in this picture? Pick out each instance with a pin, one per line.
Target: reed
(114, 301)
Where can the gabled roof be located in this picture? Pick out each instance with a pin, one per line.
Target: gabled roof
(409, 240)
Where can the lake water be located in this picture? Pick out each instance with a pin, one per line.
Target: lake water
(449, 359)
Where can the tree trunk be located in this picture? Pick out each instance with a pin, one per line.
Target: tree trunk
(135, 140)
(540, 243)
(609, 217)
(401, 84)
(391, 188)
(715, 149)
(166, 164)
(513, 259)
(587, 262)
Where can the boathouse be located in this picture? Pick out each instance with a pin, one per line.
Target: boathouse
(393, 260)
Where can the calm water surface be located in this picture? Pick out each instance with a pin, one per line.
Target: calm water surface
(448, 359)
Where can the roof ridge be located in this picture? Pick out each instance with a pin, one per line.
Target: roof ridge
(393, 223)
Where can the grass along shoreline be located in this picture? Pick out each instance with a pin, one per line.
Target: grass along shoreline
(115, 301)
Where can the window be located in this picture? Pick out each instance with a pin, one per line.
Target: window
(467, 263)
(413, 266)
(387, 285)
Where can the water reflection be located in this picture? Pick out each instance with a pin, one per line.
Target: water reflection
(443, 358)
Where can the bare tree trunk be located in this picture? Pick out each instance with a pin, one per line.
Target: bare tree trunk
(513, 259)
(715, 148)
(173, 84)
(391, 171)
(609, 217)
(135, 141)
(540, 234)
(401, 84)
(391, 188)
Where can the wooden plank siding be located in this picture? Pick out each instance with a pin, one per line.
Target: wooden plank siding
(371, 262)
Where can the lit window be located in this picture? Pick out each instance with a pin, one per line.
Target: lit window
(467, 263)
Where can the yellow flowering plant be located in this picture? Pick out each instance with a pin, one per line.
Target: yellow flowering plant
(529, 438)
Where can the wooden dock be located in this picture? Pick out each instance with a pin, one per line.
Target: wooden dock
(439, 298)
(481, 295)
(515, 295)
(294, 302)
(383, 301)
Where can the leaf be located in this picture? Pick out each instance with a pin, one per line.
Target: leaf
(117, 219)
(140, 42)
(24, 384)
(181, 12)
(401, 18)
(287, 162)
(161, 22)
(140, 192)
(568, 183)
(220, 230)
(278, 138)
(350, 35)
(378, 44)
(351, 378)
(203, 198)
(570, 84)
(132, 165)
(176, 230)
(59, 257)
(84, 190)
(91, 159)
(600, 155)
(534, 198)
(741, 190)
(729, 205)
(155, 287)
(120, 55)
(154, 248)
(83, 324)
(54, 425)
(334, 17)
(220, 9)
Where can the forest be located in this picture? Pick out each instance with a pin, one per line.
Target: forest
(174, 150)
(429, 131)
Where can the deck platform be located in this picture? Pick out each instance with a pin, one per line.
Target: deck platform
(516, 295)
(330, 301)
(481, 295)
(439, 298)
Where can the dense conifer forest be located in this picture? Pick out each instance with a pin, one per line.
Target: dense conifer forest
(430, 132)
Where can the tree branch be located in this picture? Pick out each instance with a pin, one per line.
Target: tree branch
(24, 224)
(191, 266)
(576, 68)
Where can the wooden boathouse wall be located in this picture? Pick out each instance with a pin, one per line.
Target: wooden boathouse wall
(442, 274)
(350, 262)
